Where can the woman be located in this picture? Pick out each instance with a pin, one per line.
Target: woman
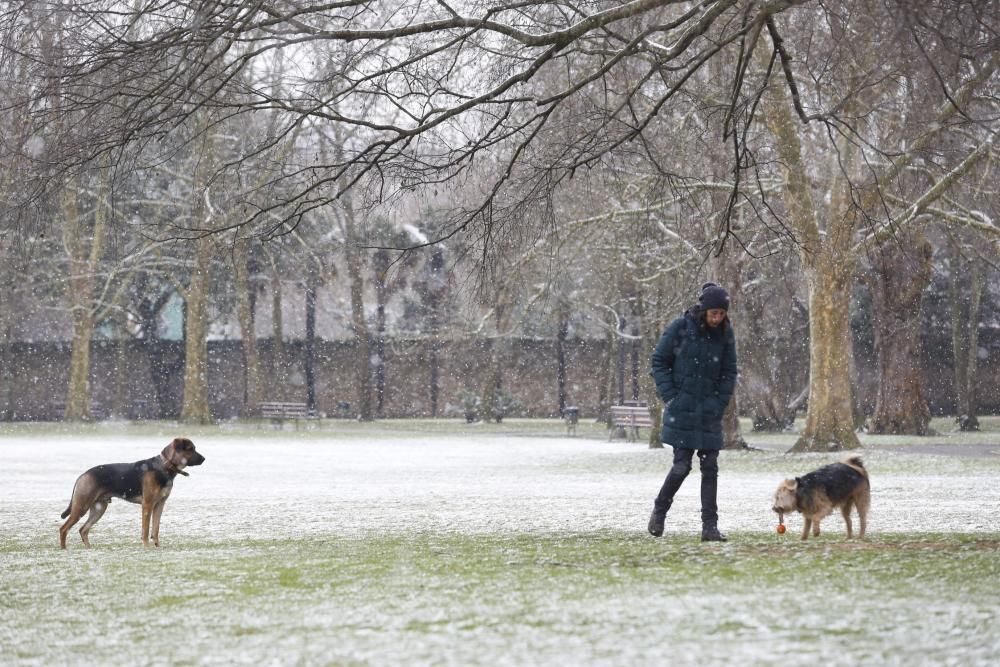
(694, 367)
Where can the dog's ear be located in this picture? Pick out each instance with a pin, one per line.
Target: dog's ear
(792, 484)
(169, 449)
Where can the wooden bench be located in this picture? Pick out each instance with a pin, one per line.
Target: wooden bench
(279, 411)
(629, 418)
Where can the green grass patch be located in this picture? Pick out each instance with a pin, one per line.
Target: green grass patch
(399, 597)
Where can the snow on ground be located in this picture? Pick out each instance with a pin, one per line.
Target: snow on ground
(391, 547)
(278, 487)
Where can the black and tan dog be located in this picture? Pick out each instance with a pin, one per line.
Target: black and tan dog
(147, 482)
(816, 494)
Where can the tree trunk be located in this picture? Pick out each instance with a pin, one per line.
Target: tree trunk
(434, 379)
(119, 409)
(381, 297)
(6, 361)
(309, 348)
(362, 338)
(651, 308)
(435, 288)
(161, 369)
(78, 395)
(902, 270)
(83, 262)
(619, 397)
(830, 421)
(245, 303)
(194, 408)
(606, 377)
(732, 432)
(493, 381)
(965, 308)
(562, 331)
(279, 354)
(829, 265)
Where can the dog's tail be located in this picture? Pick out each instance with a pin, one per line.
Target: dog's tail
(856, 463)
(69, 508)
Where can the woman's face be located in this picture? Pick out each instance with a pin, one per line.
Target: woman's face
(714, 316)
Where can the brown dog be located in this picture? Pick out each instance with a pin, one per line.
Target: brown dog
(816, 494)
(147, 482)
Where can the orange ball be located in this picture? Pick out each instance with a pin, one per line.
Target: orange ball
(781, 528)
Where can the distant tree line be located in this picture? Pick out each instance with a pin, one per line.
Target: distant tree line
(563, 162)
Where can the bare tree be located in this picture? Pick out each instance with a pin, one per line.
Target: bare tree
(433, 89)
(868, 159)
(510, 101)
(901, 271)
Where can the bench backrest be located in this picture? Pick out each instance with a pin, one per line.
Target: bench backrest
(626, 415)
(279, 410)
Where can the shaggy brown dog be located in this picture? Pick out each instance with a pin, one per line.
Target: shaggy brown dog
(816, 494)
(147, 482)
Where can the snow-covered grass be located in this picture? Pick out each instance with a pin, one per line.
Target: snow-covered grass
(410, 542)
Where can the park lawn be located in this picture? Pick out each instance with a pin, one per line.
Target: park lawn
(511, 544)
(452, 598)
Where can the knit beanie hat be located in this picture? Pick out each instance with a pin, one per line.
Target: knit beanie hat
(713, 296)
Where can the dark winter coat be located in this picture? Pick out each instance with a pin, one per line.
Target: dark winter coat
(694, 367)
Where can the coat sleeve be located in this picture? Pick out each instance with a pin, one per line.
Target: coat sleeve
(728, 370)
(662, 362)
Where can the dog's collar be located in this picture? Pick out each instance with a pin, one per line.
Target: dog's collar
(170, 466)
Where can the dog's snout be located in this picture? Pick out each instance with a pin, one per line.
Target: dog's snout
(196, 460)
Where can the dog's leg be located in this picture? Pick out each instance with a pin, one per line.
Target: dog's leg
(85, 492)
(157, 511)
(806, 525)
(148, 502)
(862, 502)
(815, 527)
(96, 512)
(74, 516)
(846, 512)
(151, 490)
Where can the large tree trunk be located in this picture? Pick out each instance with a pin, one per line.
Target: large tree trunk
(78, 393)
(279, 355)
(83, 262)
(732, 431)
(362, 337)
(194, 409)
(965, 307)
(830, 421)
(829, 265)
(902, 270)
